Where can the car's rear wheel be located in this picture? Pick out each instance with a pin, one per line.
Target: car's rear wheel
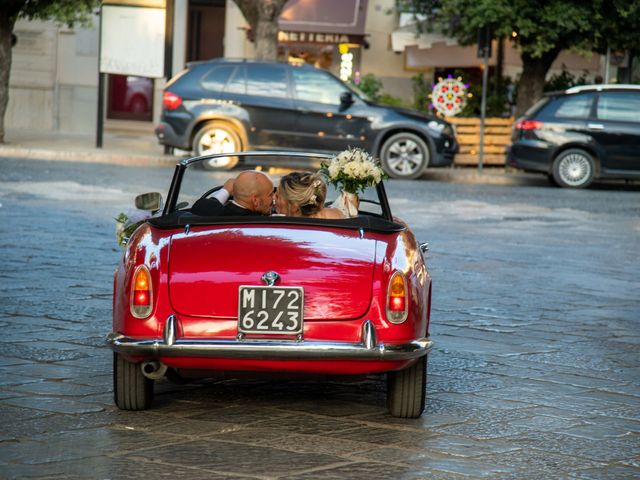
(131, 389)
(407, 390)
(574, 168)
(404, 155)
(217, 137)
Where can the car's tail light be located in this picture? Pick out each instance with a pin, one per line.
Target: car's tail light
(397, 307)
(529, 125)
(171, 101)
(141, 293)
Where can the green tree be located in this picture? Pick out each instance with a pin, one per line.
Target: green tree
(543, 29)
(262, 17)
(64, 11)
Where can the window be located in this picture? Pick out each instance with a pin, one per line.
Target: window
(237, 83)
(316, 86)
(217, 77)
(575, 106)
(619, 106)
(267, 81)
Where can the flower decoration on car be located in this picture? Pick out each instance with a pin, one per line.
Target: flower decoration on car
(449, 95)
(352, 171)
(126, 224)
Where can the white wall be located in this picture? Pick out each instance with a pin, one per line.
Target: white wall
(236, 44)
(33, 77)
(379, 59)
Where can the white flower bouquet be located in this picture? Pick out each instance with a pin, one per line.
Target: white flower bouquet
(127, 223)
(352, 171)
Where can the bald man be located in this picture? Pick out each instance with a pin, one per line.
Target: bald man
(252, 195)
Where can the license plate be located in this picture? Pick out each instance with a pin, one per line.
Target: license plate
(270, 310)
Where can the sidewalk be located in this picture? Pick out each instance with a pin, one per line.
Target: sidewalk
(119, 147)
(142, 149)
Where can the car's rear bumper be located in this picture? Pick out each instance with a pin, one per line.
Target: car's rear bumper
(170, 346)
(167, 135)
(530, 156)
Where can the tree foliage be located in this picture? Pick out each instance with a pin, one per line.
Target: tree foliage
(543, 29)
(66, 12)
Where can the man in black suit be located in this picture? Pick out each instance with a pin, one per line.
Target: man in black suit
(252, 195)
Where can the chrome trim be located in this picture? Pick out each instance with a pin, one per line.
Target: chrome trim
(170, 330)
(602, 87)
(272, 349)
(265, 153)
(157, 370)
(369, 338)
(270, 278)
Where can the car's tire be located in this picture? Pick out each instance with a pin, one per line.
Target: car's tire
(217, 137)
(131, 389)
(574, 168)
(407, 390)
(404, 155)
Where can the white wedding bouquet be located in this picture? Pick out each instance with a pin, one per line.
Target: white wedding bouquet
(352, 171)
(127, 223)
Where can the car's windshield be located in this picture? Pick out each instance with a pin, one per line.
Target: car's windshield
(196, 180)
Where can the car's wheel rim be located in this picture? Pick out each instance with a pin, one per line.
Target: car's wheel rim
(217, 141)
(405, 157)
(574, 169)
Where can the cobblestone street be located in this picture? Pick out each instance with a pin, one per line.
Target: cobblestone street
(535, 372)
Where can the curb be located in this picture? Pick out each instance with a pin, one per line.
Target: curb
(88, 156)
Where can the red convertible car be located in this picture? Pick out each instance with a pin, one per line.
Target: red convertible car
(197, 295)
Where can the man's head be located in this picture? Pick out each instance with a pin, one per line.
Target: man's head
(254, 191)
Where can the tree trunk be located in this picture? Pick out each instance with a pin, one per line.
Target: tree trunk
(262, 17)
(6, 29)
(531, 85)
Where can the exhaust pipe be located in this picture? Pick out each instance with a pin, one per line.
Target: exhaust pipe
(153, 369)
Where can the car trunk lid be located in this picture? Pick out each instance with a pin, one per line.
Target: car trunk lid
(334, 267)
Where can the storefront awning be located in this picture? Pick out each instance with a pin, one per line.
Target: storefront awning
(323, 22)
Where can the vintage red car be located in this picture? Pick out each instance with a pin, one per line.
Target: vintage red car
(199, 295)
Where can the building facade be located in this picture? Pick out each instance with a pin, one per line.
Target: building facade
(54, 75)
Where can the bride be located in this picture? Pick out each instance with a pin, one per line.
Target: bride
(302, 194)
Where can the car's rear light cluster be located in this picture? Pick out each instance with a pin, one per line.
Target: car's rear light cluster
(397, 307)
(529, 125)
(141, 293)
(171, 101)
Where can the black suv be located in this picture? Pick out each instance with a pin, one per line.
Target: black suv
(580, 134)
(233, 105)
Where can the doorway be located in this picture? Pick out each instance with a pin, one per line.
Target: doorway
(205, 29)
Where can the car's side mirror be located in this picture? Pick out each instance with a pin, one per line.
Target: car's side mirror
(151, 201)
(346, 99)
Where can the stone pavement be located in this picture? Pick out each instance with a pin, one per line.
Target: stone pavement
(535, 373)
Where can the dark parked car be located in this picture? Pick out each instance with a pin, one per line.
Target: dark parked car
(581, 134)
(223, 106)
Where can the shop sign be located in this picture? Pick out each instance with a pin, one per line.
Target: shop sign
(317, 38)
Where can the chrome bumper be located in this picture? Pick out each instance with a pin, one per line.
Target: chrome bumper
(171, 346)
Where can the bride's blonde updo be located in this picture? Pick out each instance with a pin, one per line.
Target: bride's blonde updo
(307, 190)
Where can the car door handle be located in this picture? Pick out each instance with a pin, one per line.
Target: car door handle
(303, 110)
(595, 126)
